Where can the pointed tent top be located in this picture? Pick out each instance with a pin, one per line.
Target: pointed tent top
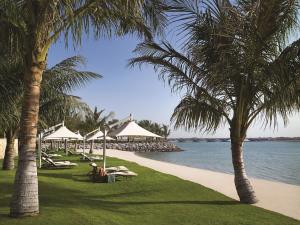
(62, 133)
(95, 136)
(132, 129)
(79, 135)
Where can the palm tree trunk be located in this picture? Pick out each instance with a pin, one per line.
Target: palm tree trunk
(9, 162)
(25, 201)
(242, 183)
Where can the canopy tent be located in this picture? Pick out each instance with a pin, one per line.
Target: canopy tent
(62, 133)
(107, 138)
(132, 129)
(95, 136)
(79, 136)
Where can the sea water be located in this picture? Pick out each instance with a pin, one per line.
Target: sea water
(277, 161)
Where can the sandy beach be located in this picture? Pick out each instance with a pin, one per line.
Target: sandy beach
(275, 196)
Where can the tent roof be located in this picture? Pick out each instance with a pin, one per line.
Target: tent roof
(132, 129)
(107, 138)
(79, 135)
(62, 133)
(95, 136)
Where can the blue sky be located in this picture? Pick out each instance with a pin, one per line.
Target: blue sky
(131, 90)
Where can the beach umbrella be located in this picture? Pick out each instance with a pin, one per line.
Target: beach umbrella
(132, 129)
(62, 133)
(95, 136)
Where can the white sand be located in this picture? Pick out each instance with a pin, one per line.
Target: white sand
(279, 197)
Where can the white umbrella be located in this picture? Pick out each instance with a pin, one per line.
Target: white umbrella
(61, 133)
(107, 138)
(95, 136)
(79, 136)
(132, 129)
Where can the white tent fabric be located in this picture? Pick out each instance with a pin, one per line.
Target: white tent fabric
(95, 136)
(61, 133)
(79, 136)
(107, 138)
(132, 129)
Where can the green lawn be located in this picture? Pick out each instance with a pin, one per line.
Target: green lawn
(67, 197)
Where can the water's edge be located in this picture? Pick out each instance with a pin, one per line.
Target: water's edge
(275, 161)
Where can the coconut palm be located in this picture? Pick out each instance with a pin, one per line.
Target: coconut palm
(233, 68)
(31, 27)
(165, 131)
(56, 102)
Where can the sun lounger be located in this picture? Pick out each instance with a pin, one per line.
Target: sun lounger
(72, 152)
(50, 155)
(90, 158)
(49, 163)
(124, 173)
(117, 169)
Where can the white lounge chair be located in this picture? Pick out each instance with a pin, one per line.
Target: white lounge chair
(50, 155)
(90, 158)
(49, 163)
(117, 168)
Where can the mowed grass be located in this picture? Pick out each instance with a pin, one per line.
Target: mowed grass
(67, 197)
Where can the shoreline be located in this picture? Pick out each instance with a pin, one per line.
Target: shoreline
(224, 172)
(275, 196)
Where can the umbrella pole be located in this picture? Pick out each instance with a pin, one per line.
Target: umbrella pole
(83, 147)
(104, 149)
(66, 147)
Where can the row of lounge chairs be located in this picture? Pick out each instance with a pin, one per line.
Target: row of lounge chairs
(95, 174)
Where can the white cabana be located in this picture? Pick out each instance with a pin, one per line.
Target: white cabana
(132, 129)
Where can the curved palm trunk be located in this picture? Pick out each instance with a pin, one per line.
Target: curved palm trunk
(25, 200)
(9, 162)
(242, 183)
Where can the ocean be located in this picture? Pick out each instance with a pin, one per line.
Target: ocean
(270, 160)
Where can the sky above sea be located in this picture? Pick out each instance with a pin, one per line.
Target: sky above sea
(125, 90)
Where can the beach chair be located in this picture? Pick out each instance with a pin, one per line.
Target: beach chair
(120, 171)
(49, 163)
(117, 169)
(89, 158)
(72, 152)
(125, 174)
(99, 175)
(50, 155)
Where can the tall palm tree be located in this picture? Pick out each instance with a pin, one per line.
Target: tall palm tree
(165, 131)
(233, 68)
(58, 82)
(31, 27)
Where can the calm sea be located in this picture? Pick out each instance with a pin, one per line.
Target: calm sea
(278, 161)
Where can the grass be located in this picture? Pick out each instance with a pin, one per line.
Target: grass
(67, 197)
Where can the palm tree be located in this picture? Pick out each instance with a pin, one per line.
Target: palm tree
(165, 131)
(11, 90)
(93, 120)
(233, 68)
(58, 82)
(31, 27)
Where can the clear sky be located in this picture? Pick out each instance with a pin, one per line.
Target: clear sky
(125, 90)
